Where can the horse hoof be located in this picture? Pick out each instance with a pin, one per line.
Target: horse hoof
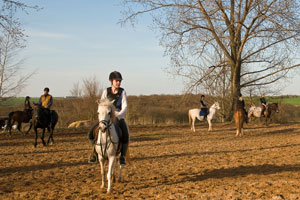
(108, 192)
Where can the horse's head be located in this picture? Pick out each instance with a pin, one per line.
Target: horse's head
(216, 106)
(38, 112)
(106, 113)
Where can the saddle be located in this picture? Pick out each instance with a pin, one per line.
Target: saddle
(204, 112)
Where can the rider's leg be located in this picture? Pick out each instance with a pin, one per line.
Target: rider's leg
(263, 111)
(124, 140)
(93, 155)
(246, 116)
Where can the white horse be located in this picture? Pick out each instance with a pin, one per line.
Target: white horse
(254, 111)
(195, 114)
(107, 141)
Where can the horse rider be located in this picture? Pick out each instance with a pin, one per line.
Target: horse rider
(240, 105)
(27, 106)
(204, 106)
(118, 94)
(46, 102)
(264, 104)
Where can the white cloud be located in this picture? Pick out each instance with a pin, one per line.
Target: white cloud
(49, 35)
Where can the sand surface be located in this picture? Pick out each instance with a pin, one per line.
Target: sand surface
(168, 162)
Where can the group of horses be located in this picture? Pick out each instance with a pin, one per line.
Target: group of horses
(37, 118)
(239, 115)
(107, 137)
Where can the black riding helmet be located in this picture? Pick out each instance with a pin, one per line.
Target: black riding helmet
(115, 76)
(46, 89)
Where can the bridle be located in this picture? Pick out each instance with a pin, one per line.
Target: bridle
(107, 124)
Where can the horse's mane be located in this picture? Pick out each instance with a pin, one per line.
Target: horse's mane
(108, 103)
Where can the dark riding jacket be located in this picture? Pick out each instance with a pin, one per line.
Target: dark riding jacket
(263, 101)
(240, 105)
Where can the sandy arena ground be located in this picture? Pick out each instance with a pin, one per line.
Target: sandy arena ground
(168, 162)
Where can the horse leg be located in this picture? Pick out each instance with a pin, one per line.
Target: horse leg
(29, 128)
(111, 162)
(120, 174)
(209, 125)
(42, 137)
(193, 124)
(101, 161)
(19, 127)
(50, 137)
(10, 126)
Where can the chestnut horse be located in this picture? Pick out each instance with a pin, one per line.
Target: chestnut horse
(239, 118)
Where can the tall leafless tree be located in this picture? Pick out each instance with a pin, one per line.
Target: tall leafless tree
(12, 41)
(258, 38)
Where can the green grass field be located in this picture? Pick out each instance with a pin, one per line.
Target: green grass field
(15, 101)
(293, 100)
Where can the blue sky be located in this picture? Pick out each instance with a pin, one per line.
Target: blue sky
(74, 39)
(70, 40)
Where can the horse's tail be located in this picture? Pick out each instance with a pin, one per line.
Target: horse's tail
(8, 125)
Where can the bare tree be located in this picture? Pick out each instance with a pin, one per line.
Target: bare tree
(91, 87)
(12, 41)
(91, 90)
(258, 38)
(76, 90)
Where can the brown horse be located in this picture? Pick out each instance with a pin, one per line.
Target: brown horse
(256, 111)
(239, 118)
(19, 117)
(270, 108)
(44, 119)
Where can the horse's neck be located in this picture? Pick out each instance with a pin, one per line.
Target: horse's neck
(212, 111)
(104, 137)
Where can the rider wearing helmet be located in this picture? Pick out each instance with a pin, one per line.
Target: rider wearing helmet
(240, 105)
(263, 103)
(46, 102)
(27, 105)
(118, 95)
(204, 108)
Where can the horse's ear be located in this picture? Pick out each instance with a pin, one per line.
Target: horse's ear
(112, 102)
(98, 101)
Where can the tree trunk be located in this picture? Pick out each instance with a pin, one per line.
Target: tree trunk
(235, 88)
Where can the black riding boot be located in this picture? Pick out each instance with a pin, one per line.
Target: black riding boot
(93, 157)
(124, 140)
(123, 154)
